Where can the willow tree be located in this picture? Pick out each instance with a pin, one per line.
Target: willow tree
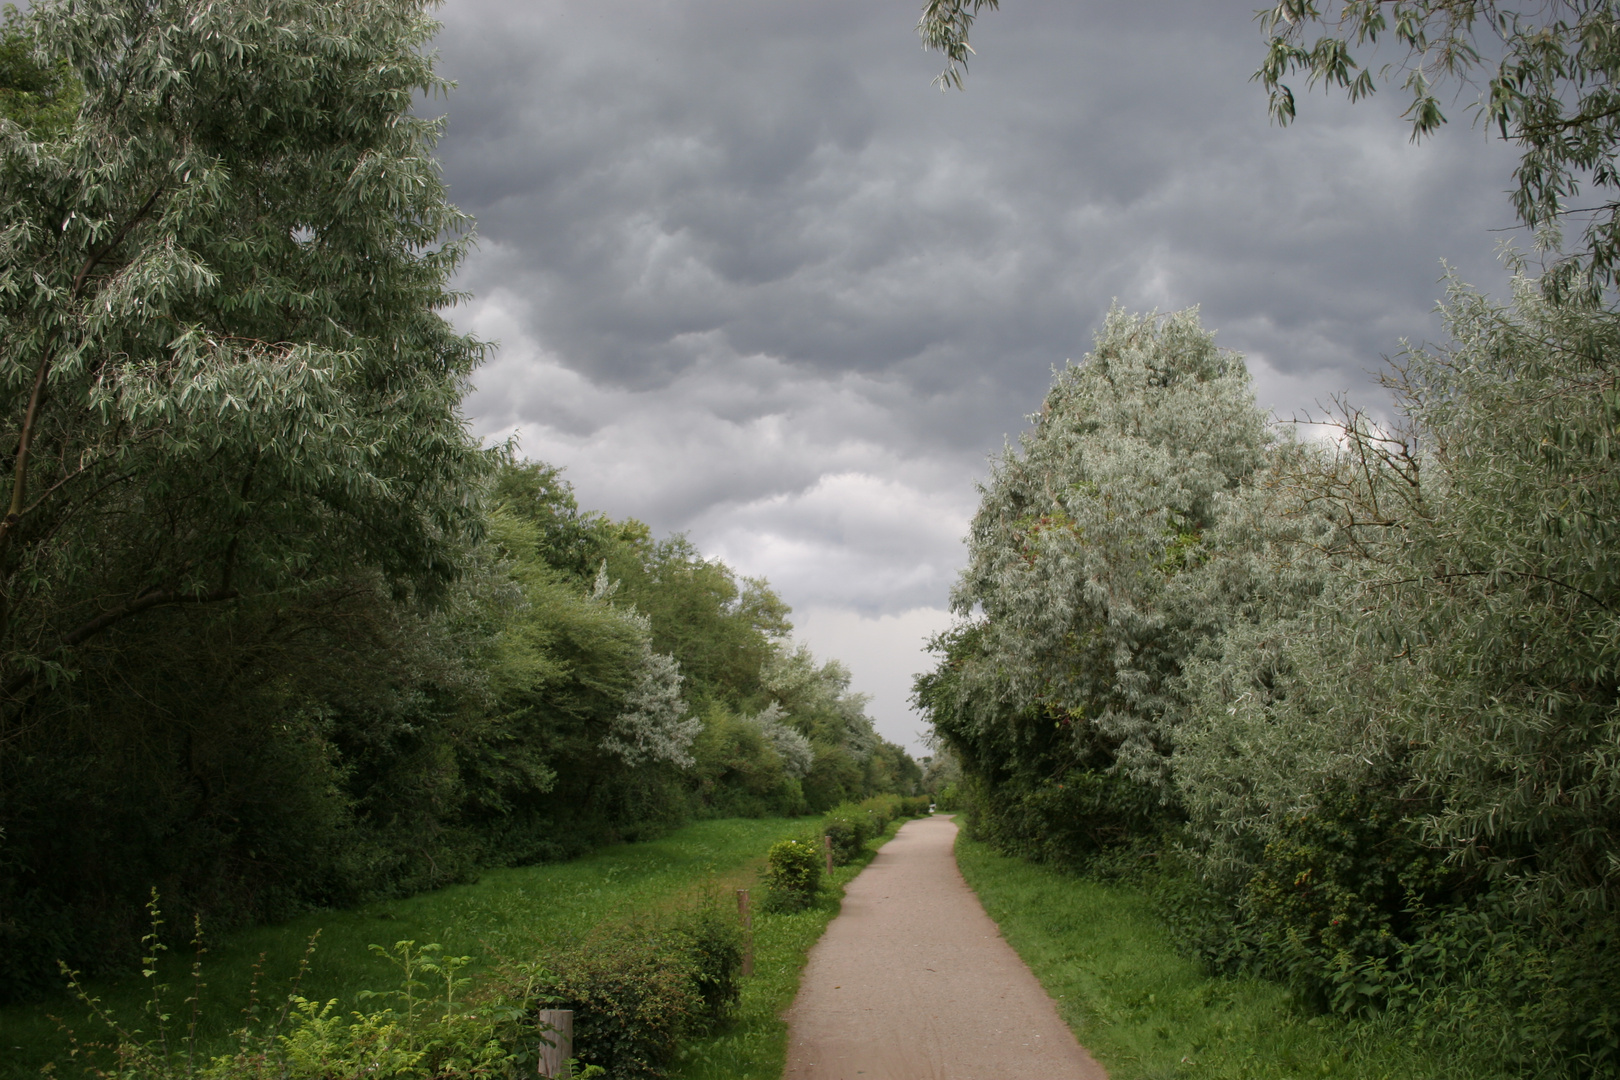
(224, 371)
(1099, 562)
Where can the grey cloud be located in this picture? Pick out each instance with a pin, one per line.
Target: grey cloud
(737, 248)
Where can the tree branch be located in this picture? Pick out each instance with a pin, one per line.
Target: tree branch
(96, 257)
(144, 601)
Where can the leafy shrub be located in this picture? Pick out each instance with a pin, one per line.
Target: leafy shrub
(1502, 988)
(881, 810)
(1342, 882)
(739, 772)
(1070, 820)
(851, 825)
(712, 941)
(633, 997)
(848, 827)
(635, 989)
(913, 806)
(792, 875)
(425, 1030)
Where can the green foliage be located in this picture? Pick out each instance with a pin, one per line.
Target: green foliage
(913, 806)
(754, 1046)
(1545, 81)
(427, 1031)
(637, 989)
(275, 631)
(944, 26)
(329, 748)
(41, 96)
(1108, 552)
(1348, 708)
(1343, 881)
(723, 633)
(631, 1000)
(792, 875)
(849, 827)
(242, 494)
(739, 773)
(711, 939)
(212, 402)
(1102, 952)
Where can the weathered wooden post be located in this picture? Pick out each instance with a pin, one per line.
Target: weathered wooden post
(826, 846)
(556, 1042)
(747, 918)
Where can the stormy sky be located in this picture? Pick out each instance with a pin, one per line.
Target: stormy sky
(755, 279)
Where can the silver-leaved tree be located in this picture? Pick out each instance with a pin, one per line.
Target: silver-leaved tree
(224, 371)
(1110, 548)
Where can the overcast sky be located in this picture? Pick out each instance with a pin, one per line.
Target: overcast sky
(755, 279)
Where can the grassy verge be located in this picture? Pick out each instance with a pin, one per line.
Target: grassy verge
(755, 1046)
(506, 911)
(1147, 1013)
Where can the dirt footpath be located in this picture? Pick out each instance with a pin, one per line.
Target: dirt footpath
(912, 981)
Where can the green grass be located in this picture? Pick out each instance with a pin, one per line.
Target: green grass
(1147, 1013)
(505, 912)
(755, 1046)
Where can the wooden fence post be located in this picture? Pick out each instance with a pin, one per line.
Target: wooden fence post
(556, 1042)
(826, 845)
(747, 918)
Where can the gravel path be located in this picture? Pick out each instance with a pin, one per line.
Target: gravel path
(912, 981)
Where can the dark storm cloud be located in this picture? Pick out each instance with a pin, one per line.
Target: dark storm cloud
(783, 175)
(756, 278)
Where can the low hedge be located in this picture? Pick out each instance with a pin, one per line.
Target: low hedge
(851, 826)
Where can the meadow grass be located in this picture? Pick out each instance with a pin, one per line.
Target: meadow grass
(754, 1047)
(506, 912)
(1147, 1013)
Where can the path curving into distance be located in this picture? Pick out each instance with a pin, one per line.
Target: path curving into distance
(912, 981)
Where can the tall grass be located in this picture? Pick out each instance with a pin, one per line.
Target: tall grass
(1147, 1013)
(507, 912)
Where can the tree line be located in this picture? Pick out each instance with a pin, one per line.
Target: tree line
(275, 630)
(1347, 703)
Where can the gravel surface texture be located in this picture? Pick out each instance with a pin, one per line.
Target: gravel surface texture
(912, 981)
